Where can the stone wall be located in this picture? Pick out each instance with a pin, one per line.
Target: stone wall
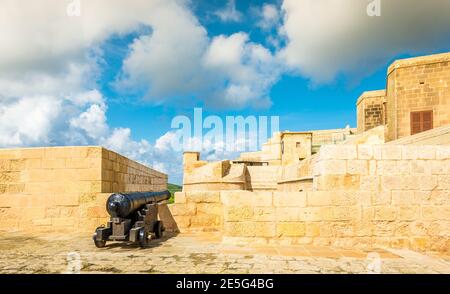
(417, 84)
(65, 188)
(363, 196)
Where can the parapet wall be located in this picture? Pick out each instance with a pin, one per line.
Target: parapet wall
(363, 196)
(65, 188)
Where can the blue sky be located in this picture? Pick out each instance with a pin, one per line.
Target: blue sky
(115, 73)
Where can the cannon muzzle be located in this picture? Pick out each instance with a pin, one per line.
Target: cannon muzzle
(123, 204)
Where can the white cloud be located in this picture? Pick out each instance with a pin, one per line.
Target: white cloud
(92, 121)
(27, 121)
(269, 17)
(227, 71)
(326, 38)
(229, 13)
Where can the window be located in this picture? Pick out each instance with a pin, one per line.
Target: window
(298, 145)
(421, 121)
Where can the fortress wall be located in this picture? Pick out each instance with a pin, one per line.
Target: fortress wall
(65, 188)
(364, 196)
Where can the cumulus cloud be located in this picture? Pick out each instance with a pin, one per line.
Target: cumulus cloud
(269, 17)
(27, 121)
(227, 71)
(229, 13)
(325, 38)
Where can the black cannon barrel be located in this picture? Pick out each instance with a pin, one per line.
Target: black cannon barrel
(123, 204)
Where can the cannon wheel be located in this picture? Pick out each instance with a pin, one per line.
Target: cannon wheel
(143, 238)
(158, 229)
(98, 243)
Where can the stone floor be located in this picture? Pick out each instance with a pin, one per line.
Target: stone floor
(200, 253)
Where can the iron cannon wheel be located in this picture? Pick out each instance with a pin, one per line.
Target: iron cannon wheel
(143, 238)
(158, 229)
(98, 243)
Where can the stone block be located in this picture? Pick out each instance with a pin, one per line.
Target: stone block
(188, 209)
(373, 167)
(264, 214)
(370, 183)
(385, 213)
(33, 163)
(328, 152)
(439, 167)
(377, 154)
(206, 221)
(42, 222)
(346, 213)
(312, 229)
(409, 152)
(97, 212)
(432, 213)
(365, 152)
(290, 229)
(408, 213)
(426, 152)
(420, 243)
(262, 198)
(332, 166)
(443, 182)
(403, 167)
(203, 196)
(287, 214)
(319, 198)
(67, 199)
(387, 167)
(236, 198)
(312, 214)
(265, 229)
(357, 167)
(443, 152)
(32, 153)
(342, 229)
(295, 199)
(391, 152)
(210, 208)
(420, 167)
(337, 182)
(239, 229)
(403, 198)
(238, 213)
(344, 198)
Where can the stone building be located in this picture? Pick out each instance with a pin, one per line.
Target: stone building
(417, 98)
(384, 184)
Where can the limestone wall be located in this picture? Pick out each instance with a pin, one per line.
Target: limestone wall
(65, 188)
(363, 196)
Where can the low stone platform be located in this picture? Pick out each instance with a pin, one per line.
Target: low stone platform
(199, 253)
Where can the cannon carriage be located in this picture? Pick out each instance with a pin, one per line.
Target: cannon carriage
(134, 218)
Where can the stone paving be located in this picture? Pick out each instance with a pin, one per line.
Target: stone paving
(200, 253)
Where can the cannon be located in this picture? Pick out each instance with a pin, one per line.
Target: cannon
(134, 218)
